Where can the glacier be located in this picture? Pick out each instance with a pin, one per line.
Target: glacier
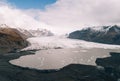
(57, 42)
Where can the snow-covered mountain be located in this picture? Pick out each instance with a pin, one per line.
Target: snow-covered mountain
(102, 34)
(36, 33)
(31, 33)
(41, 32)
(4, 26)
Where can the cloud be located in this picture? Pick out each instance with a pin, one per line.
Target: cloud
(14, 17)
(75, 14)
(64, 15)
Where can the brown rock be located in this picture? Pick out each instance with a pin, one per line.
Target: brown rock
(11, 39)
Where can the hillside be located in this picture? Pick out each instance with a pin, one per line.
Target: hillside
(103, 34)
(11, 39)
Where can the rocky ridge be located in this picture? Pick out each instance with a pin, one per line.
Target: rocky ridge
(11, 39)
(103, 34)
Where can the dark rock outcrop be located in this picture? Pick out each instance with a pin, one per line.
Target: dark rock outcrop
(111, 66)
(11, 40)
(105, 34)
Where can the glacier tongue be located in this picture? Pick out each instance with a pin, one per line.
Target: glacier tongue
(56, 42)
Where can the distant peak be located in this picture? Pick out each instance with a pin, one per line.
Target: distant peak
(103, 28)
(4, 26)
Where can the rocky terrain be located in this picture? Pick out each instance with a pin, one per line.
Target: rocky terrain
(105, 71)
(104, 34)
(11, 40)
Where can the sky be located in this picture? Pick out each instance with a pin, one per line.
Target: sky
(59, 16)
(35, 4)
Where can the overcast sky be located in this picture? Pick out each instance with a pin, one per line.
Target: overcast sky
(59, 16)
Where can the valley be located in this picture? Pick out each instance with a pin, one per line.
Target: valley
(56, 58)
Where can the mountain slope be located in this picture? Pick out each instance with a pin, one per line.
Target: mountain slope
(31, 32)
(104, 34)
(36, 32)
(11, 40)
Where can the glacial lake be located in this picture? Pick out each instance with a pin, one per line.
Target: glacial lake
(58, 58)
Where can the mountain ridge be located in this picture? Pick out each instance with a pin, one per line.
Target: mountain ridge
(31, 32)
(103, 34)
